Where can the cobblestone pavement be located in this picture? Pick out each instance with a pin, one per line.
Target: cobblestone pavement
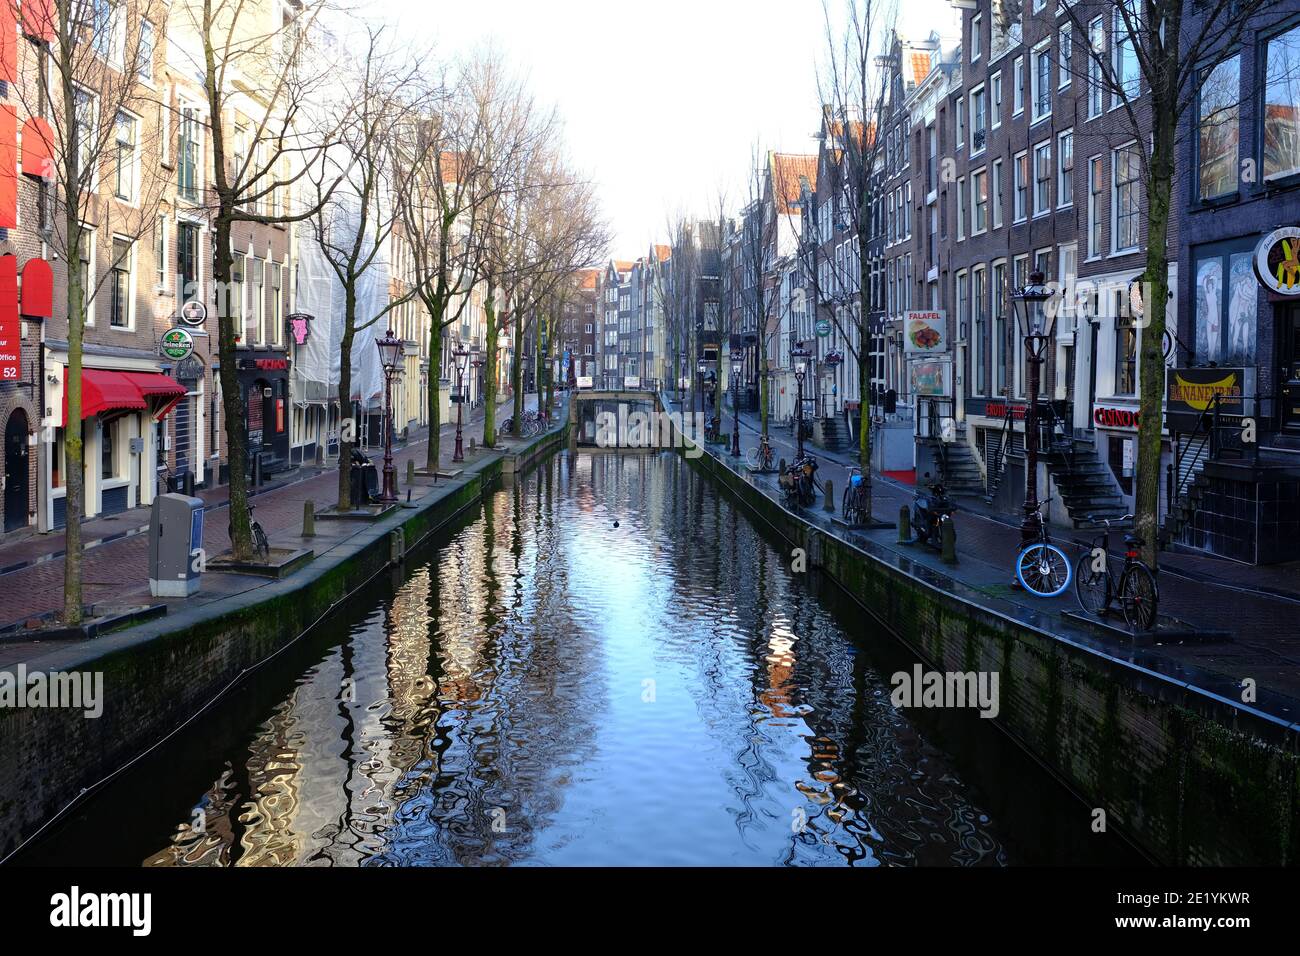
(1258, 607)
(117, 570)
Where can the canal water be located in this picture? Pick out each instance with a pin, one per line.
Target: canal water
(605, 664)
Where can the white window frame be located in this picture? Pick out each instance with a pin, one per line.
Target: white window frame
(995, 100)
(975, 229)
(1064, 42)
(1093, 230)
(961, 208)
(976, 46)
(1018, 213)
(130, 282)
(995, 193)
(1041, 51)
(1046, 207)
(1115, 247)
(1064, 197)
(1018, 86)
(970, 115)
(1096, 77)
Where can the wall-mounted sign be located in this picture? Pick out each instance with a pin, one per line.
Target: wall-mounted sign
(1277, 261)
(264, 365)
(1115, 416)
(930, 378)
(823, 327)
(631, 381)
(925, 332)
(1190, 392)
(177, 344)
(584, 381)
(36, 302)
(194, 312)
(299, 326)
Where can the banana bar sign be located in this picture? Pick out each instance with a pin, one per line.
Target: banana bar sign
(1277, 261)
(1191, 393)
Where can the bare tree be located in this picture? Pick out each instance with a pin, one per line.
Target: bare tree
(356, 192)
(852, 96)
(1151, 60)
(80, 82)
(263, 72)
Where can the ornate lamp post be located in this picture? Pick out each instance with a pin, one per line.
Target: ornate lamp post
(390, 357)
(799, 357)
(459, 357)
(1036, 320)
(737, 356)
(700, 369)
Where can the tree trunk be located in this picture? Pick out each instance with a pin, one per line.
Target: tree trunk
(1146, 505)
(434, 451)
(73, 438)
(232, 398)
(490, 370)
(764, 387)
(517, 373)
(864, 379)
(348, 433)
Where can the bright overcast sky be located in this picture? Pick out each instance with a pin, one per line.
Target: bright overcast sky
(662, 104)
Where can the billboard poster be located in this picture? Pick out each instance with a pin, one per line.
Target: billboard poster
(930, 378)
(925, 332)
(1190, 392)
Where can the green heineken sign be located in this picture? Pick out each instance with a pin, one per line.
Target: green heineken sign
(177, 344)
(823, 327)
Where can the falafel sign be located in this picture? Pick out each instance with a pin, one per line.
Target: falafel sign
(925, 332)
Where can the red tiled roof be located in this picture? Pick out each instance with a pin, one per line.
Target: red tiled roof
(663, 252)
(920, 66)
(788, 169)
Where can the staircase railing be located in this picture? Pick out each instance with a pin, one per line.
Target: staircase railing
(997, 466)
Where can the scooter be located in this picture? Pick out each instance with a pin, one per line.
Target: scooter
(929, 508)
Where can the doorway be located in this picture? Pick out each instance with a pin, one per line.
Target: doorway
(16, 471)
(1289, 355)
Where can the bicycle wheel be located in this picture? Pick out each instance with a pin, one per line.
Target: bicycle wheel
(1043, 569)
(260, 542)
(847, 508)
(1139, 596)
(752, 456)
(1092, 587)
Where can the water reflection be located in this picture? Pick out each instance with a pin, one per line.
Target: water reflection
(551, 689)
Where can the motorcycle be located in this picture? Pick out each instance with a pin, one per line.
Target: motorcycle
(929, 508)
(798, 482)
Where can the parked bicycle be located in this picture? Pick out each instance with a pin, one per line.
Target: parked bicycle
(853, 506)
(930, 509)
(1134, 589)
(261, 544)
(1041, 567)
(799, 482)
(759, 457)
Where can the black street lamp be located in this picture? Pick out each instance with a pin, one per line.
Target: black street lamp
(390, 357)
(459, 357)
(737, 356)
(701, 368)
(799, 357)
(1036, 320)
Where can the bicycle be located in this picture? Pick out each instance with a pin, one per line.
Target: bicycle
(799, 483)
(1041, 567)
(759, 457)
(261, 544)
(853, 506)
(1095, 581)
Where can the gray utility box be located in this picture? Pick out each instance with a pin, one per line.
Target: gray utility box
(175, 540)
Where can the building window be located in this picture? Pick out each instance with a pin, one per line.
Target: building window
(979, 305)
(1043, 178)
(160, 250)
(106, 468)
(235, 298)
(1020, 194)
(1226, 300)
(1124, 61)
(1126, 174)
(85, 130)
(87, 252)
(979, 192)
(120, 290)
(1065, 169)
(1018, 87)
(961, 209)
(1218, 133)
(1066, 46)
(998, 351)
(277, 303)
(995, 95)
(144, 52)
(1282, 106)
(1126, 352)
(961, 123)
(124, 157)
(257, 268)
(997, 194)
(1042, 79)
(187, 155)
(975, 40)
(1096, 50)
(978, 120)
(1096, 189)
(187, 260)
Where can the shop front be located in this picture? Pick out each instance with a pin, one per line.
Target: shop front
(264, 381)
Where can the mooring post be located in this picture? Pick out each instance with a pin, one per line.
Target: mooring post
(309, 519)
(904, 525)
(410, 471)
(948, 537)
(829, 488)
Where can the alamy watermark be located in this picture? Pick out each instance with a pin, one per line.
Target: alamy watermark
(79, 690)
(637, 429)
(954, 689)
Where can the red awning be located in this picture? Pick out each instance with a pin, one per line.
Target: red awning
(103, 390)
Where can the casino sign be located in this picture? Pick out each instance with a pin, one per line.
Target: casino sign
(1277, 261)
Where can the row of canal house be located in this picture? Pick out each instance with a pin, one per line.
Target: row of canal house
(154, 419)
(1003, 154)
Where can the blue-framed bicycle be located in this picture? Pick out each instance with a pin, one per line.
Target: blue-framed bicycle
(1042, 568)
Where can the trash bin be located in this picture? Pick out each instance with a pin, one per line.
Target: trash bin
(365, 479)
(175, 545)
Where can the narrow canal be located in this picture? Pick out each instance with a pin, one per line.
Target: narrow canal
(606, 664)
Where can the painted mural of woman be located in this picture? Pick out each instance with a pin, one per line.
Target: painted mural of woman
(1241, 311)
(1209, 310)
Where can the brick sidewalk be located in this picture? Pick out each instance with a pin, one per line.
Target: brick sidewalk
(118, 569)
(1209, 593)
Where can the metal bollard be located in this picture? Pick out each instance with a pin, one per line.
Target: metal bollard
(904, 525)
(309, 519)
(410, 471)
(829, 488)
(948, 538)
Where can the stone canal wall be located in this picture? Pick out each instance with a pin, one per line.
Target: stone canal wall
(1190, 777)
(160, 675)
